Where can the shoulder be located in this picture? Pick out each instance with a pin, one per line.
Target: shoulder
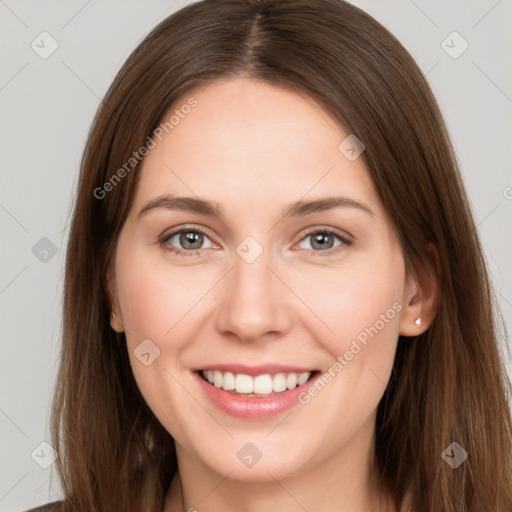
(54, 506)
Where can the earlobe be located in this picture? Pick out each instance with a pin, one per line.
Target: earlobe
(419, 305)
(116, 321)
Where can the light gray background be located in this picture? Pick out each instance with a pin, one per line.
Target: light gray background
(47, 107)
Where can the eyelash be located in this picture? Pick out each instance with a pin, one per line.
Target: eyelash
(179, 252)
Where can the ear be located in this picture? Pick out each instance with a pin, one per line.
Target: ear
(116, 318)
(421, 296)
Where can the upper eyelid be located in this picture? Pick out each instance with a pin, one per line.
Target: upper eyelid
(320, 228)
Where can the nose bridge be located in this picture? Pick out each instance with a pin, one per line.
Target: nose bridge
(252, 304)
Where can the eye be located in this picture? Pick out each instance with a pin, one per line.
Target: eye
(323, 240)
(191, 239)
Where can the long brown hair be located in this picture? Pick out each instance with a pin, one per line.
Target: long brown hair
(447, 385)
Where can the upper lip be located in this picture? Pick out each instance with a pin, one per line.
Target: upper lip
(255, 370)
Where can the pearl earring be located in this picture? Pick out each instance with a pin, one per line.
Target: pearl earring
(418, 321)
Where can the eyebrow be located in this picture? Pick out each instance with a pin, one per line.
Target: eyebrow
(297, 209)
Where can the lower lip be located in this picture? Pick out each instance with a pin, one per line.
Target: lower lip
(254, 408)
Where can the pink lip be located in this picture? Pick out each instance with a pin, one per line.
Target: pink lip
(253, 408)
(254, 370)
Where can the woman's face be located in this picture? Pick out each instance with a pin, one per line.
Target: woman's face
(258, 293)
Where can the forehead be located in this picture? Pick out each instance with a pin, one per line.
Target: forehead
(246, 141)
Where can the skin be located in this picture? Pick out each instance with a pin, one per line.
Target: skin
(254, 148)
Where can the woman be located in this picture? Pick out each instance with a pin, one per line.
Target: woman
(327, 342)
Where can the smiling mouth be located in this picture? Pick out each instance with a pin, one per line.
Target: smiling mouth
(258, 386)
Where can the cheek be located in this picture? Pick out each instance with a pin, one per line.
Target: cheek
(155, 298)
(154, 304)
(361, 306)
(361, 301)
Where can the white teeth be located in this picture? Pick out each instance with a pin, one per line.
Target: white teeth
(302, 378)
(279, 382)
(228, 382)
(291, 381)
(217, 379)
(260, 385)
(244, 383)
(263, 384)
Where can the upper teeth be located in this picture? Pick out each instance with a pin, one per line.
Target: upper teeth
(260, 384)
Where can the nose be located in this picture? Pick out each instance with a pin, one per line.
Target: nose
(254, 302)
